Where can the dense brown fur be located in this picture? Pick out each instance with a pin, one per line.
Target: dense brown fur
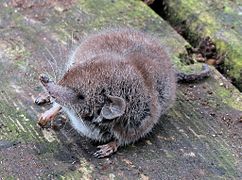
(124, 64)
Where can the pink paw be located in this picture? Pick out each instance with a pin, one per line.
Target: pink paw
(106, 149)
(46, 117)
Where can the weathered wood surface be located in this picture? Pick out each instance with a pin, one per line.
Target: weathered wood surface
(200, 137)
(220, 20)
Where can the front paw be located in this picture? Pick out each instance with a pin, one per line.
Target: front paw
(42, 99)
(46, 117)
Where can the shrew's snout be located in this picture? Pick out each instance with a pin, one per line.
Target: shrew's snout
(44, 79)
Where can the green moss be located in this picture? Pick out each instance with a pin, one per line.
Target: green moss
(219, 20)
(232, 99)
(228, 9)
(181, 64)
(16, 124)
(9, 178)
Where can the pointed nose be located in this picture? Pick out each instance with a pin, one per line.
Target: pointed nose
(44, 79)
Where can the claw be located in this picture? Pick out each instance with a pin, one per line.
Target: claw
(106, 149)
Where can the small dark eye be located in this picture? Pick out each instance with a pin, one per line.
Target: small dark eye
(80, 96)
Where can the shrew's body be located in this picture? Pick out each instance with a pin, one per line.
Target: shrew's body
(117, 85)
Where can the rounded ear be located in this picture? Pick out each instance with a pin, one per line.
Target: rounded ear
(114, 109)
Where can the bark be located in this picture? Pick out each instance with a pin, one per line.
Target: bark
(220, 20)
(200, 137)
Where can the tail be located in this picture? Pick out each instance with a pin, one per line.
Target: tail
(184, 78)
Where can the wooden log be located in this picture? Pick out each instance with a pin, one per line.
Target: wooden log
(200, 137)
(219, 20)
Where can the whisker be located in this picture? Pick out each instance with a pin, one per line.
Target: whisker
(61, 57)
(55, 62)
(52, 68)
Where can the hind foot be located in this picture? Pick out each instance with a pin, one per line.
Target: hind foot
(49, 115)
(106, 149)
(42, 98)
